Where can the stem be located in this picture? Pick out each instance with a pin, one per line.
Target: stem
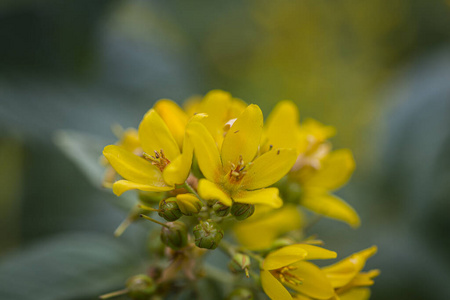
(114, 294)
(227, 248)
(153, 220)
(145, 207)
(124, 225)
(190, 189)
(252, 255)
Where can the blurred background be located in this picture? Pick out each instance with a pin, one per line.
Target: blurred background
(377, 70)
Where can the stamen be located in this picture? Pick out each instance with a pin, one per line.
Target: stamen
(159, 160)
(237, 172)
(285, 276)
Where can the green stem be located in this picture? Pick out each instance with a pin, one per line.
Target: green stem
(190, 189)
(114, 294)
(153, 220)
(227, 248)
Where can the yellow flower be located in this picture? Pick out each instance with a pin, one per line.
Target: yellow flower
(286, 267)
(260, 231)
(233, 173)
(348, 280)
(317, 170)
(163, 164)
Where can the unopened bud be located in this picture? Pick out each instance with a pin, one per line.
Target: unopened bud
(189, 204)
(242, 211)
(241, 294)
(169, 210)
(140, 287)
(240, 262)
(208, 234)
(220, 209)
(174, 235)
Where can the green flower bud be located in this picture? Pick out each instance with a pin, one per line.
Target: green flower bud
(220, 209)
(140, 287)
(175, 235)
(189, 204)
(240, 262)
(208, 234)
(241, 294)
(169, 210)
(242, 211)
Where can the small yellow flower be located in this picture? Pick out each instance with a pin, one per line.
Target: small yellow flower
(233, 173)
(162, 164)
(286, 267)
(317, 170)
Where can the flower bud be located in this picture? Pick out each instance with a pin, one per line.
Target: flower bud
(150, 198)
(242, 211)
(140, 287)
(189, 204)
(239, 263)
(208, 234)
(220, 209)
(241, 294)
(169, 210)
(175, 235)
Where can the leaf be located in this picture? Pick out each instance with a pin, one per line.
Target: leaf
(85, 151)
(70, 266)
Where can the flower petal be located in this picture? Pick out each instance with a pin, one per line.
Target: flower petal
(273, 288)
(178, 170)
(243, 137)
(174, 117)
(216, 104)
(155, 135)
(210, 191)
(331, 206)
(269, 168)
(336, 170)
(121, 186)
(315, 283)
(133, 167)
(284, 257)
(356, 294)
(205, 150)
(258, 232)
(342, 272)
(282, 125)
(268, 196)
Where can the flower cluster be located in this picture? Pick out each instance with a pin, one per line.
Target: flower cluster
(218, 176)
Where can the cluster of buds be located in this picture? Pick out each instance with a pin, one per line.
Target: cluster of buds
(219, 177)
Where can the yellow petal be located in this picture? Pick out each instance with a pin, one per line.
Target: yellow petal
(316, 129)
(364, 278)
(273, 288)
(243, 137)
(284, 257)
(121, 186)
(205, 150)
(356, 294)
(174, 117)
(331, 206)
(342, 272)
(268, 196)
(269, 168)
(133, 167)
(301, 297)
(189, 204)
(210, 191)
(178, 170)
(155, 135)
(216, 104)
(336, 170)
(314, 252)
(315, 283)
(258, 232)
(130, 140)
(282, 125)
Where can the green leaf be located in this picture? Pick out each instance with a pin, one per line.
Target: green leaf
(71, 266)
(85, 151)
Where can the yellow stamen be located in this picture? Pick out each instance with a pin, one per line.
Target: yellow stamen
(285, 276)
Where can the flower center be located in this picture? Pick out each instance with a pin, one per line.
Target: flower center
(285, 276)
(237, 171)
(159, 159)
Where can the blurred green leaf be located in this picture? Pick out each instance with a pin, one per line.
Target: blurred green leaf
(85, 151)
(71, 266)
